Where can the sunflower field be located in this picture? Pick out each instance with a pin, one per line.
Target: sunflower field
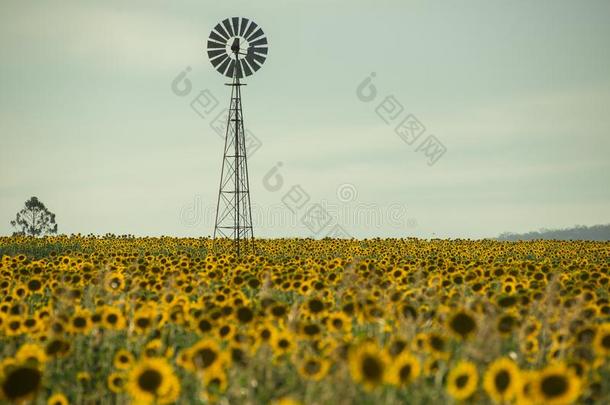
(120, 320)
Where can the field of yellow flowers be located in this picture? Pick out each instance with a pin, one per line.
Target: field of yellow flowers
(117, 320)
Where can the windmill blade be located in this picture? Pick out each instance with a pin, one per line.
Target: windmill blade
(255, 35)
(235, 21)
(251, 28)
(212, 53)
(218, 28)
(246, 68)
(223, 66)
(244, 24)
(258, 49)
(216, 37)
(259, 42)
(227, 24)
(255, 66)
(230, 69)
(258, 58)
(219, 60)
(215, 45)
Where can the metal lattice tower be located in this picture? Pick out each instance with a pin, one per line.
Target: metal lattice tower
(237, 47)
(233, 211)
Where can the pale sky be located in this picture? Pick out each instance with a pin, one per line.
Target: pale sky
(517, 92)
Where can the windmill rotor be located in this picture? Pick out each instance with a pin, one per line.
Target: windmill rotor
(237, 46)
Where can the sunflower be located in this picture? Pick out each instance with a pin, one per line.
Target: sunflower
(20, 292)
(57, 347)
(368, 365)
(557, 384)
(81, 321)
(13, 325)
(463, 324)
(123, 359)
(278, 311)
(462, 380)
(225, 331)
(437, 345)
(114, 282)
(32, 325)
(20, 383)
(314, 368)
(238, 355)
(154, 348)
(202, 325)
(530, 347)
(282, 343)
(396, 346)
(152, 380)
(502, 380)
(244, 315)
(310, 330)
(83, 377)
(6, 365)
(314, 306)
(339, 322)
(112, 318)
(601, 342)
(505, 324)
(31, 352)
(116, 382)
(203, 355)
(525, 394)
(35, 285)
(215, 380)
(405, 368)
(57, 399)
(143, 320)
(263, 334)
(420, 342)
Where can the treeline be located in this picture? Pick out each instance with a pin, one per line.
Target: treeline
(579, 232)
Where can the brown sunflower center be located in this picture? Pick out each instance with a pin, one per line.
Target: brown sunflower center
(461, 381)
(316, 306)
(405, 372)
(204, 357)
(554, 385)
(371, 368)
(312, 367)
(79, 322)
(149, 381)
(502, 380)
(463, 324)
(245, 315)
(21, 382)
(606, 342)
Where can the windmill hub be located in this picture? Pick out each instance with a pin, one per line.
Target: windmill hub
(235, 46)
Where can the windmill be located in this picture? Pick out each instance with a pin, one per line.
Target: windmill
(237, 47)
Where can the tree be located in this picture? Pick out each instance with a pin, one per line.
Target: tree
(35, 219)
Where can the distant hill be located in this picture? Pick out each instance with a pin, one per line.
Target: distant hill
(579, 232)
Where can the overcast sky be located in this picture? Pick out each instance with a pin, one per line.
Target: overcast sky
(518, 93)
